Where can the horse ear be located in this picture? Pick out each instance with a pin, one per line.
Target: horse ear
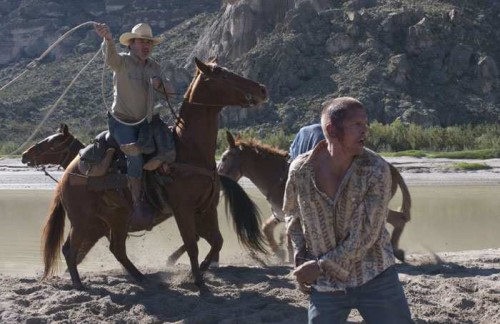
(202, 66)
(63, 128)
(214, 59)
(238, 136)
(230, 139)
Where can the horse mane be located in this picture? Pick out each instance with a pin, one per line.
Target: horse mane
(255, 144)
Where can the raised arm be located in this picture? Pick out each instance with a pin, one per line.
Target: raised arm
(112, 58)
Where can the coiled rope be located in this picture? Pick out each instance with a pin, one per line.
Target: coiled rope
(36, 62)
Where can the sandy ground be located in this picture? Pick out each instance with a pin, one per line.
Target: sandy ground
(459, 287)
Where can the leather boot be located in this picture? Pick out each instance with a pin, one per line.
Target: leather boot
(142, 216)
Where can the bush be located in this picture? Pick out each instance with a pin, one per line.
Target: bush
(398, 136)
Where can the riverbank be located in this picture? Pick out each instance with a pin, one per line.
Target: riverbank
(415, 171)
(462, 287)
(451, 287)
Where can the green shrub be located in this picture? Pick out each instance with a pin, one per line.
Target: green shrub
(471, 166)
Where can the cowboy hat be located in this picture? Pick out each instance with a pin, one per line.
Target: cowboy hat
(140, 31)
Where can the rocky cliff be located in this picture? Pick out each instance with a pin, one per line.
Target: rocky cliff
(32, 25)
(425, 62)
(429, 62)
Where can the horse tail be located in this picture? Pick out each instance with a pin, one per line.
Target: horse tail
(406, 204)
(52, 235)
(246, 215)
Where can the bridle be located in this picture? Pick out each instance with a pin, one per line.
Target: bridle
(63, 149)
(248, 97)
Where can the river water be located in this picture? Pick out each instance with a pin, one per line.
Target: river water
(444, 218)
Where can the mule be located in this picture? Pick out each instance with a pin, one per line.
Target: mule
(267, 168)
(192, 196)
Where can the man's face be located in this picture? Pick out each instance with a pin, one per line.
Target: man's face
(355, 131)
(141, 48)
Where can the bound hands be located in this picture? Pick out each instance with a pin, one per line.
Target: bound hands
(306, 273)
(103, 31)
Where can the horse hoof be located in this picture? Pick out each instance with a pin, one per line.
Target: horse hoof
(204, 266)
(200, 283)
(79, 287)
(400, 255)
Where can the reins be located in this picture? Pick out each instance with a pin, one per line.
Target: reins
(48, 174)
(63, 162)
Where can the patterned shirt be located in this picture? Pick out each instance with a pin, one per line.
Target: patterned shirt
(347, 233)
(133, 91)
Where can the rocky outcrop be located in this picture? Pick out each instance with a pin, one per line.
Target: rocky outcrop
(31, 26)
(426, 62)
(238, 27)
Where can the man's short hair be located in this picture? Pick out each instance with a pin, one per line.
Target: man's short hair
(335, 111)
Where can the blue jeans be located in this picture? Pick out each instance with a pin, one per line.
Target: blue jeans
(126, 134)
(380, 300)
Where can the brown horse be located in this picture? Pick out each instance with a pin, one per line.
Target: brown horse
(59, 148)
(193, 195)
(267, 168)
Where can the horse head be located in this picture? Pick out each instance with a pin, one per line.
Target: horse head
(214, 85)
(246, 158)
(230, 162)
(54, 149)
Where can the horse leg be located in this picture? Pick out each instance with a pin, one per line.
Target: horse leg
(70, 251)
(268, 230)
(185, 219)
(209, 230)
(118, 247)
(397, 219)
(172, 259)
(89, 242)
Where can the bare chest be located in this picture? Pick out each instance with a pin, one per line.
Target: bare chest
(327, 182)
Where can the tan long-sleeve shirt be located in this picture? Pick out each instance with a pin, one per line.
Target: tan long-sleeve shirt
(347, 233)
(132, 89)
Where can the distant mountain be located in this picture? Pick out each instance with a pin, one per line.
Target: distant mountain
(428, 62)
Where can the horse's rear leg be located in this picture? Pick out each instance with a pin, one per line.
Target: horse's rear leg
(118, 247)
(88, 244)
(268, 230)
(70, 251)
(172, 259)
(76, 248)
(212, 259)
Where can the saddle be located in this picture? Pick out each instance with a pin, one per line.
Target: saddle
(102, 165)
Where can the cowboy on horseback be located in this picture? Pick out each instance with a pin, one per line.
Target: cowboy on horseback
(136, 79)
